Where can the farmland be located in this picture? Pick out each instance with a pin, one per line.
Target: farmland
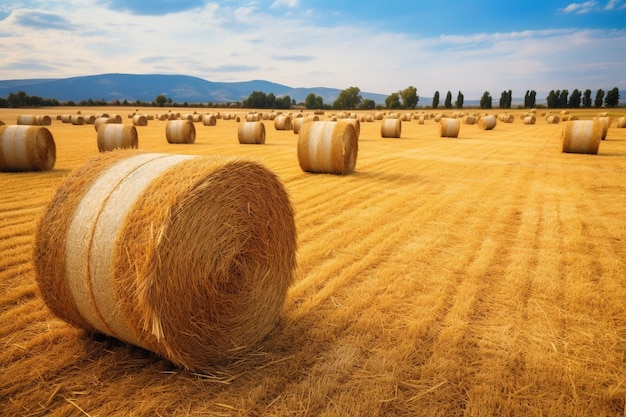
(479, 275)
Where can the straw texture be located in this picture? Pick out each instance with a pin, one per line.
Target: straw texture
(251, 133)
(34, 120)
(188, 257)
(180, 131)
(327, 147)
(391, 128)
(449, 127)
(582, 136)
(26, 148)
(117, 136)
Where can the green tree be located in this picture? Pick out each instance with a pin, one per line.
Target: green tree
(256, 100)
(313, 101)
(574, 99)
(612, 97)
(283, 102)
(448, 102)
(436, 100)
(393, 101)
(587, 98)
(505, 99)
(599, 98)
(563, 98)
(367, 104)
(485, 100)
(350, 98)
(532, 99)
(409, 97)
(459, 101)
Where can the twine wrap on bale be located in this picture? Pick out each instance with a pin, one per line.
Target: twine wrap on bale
(391, 128)
(34, 120)
(26, 148)
(251, 133)
(328, 147)
(180, 131)
(449, 127)
(487, 122)
(188, 257)
(117, 136)
(582, 136)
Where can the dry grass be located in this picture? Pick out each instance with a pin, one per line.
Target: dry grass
(482, 275)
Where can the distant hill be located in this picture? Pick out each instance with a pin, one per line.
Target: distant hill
(180, 88)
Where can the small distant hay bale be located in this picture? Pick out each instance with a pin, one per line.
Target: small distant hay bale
(252, 133)
(582, 136)
(26, 148)
(188, 257)
(530, 119)
(469, 119)
(621, 123)
(89, 119)
(187, 117)
(449, 127)
(328, 147)
(297, 123)
(140, 120)
(553, 119)
(357, 125)
(117, 136)
(606, 123)
(391, 128)
(506, 118)
(253, 117)
(487, 122)
(78, 120)
(34, 120)
(101, 121)
(282, 122)
(116, 117)
(196, 117)
(180, 131)
(66, 118)
(209, 120)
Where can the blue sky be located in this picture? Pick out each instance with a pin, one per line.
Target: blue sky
(378, 46)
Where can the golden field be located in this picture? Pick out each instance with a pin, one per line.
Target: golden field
(479, 276)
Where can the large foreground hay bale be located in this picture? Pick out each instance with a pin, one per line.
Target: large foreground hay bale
(582, 136)
(26, 148)
(188, 257)
(328, 147)
(487, 122)
(391, 128)
(180, 131)
(356, 123)
(251, 133)
(34, 120)
(449, 127)
(117, 136)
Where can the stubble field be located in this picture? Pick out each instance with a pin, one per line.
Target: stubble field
(483, 275)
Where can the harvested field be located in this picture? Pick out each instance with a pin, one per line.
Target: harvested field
(480, 275)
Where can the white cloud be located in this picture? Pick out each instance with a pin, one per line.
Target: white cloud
(286, 3)
(581, 8)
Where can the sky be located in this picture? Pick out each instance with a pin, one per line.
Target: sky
(378, 46)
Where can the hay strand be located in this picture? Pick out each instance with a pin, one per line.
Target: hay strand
(117, 136)
(180, 131)
(327, 147)
(188, 257)
(582, 136)
(251, 133)
(26, 148)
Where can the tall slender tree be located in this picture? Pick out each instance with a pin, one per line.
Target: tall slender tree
(448, 102)
(436, 100)
(599, 98)
(485, 101)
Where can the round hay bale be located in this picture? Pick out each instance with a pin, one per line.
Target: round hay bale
(78, 120)
(582, 136)
(66, 118)
(282, 122)
(606, 123)
(487, 122)
(34, 120)
(180, 131)
(469, 119)
(251, 133)
(116, 117)
(621, 123)
(328, 147)
(553, 119)
(101, 121)
(140, 120)
(297, 123)
(356, 123)
(89, 119)
(209, 120)
(530, 119)
(391, 128)
(253, 117)
(189, 257)
(117, 136)
(449, 127)
(26, 148)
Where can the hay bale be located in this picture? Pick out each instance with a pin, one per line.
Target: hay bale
(449, 127)
(282, 122)
(66, 118)
(487, 122)
(621, 123)
(606, 123)
(78, 120)
(251, 133)
(391, 128)
(26, 148)
(117, 136)
(296, 125)
(89, 119)
(469, 119)
(188, 257)
(180, 131)
(209, 120)
(328, 147)
(356, 123)
(34, 120)
(582, 136)
(553, 119)
(140, 120)
(101, 121)
(530, 119)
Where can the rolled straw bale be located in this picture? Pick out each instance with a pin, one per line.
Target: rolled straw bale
(117, 136)
(101, 121)
(66, 118)
(282, 122)
(606, 122)
(189, 257)
(116, 117)
(487, 122)
(582, 136)
(78, 120)
(530, 119)
(297, 123)
(621, 123)
(253, 117)
(328, 147)
(356, 123)
(34, 120)
(89, 119)
(251, 133)
(209, 120)
(552, 119)
(391, 128)
(180, 131)
(449, 127)
(196, 117)
(26, 148)
(140, 120)
(506, 118)
(469, 119)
